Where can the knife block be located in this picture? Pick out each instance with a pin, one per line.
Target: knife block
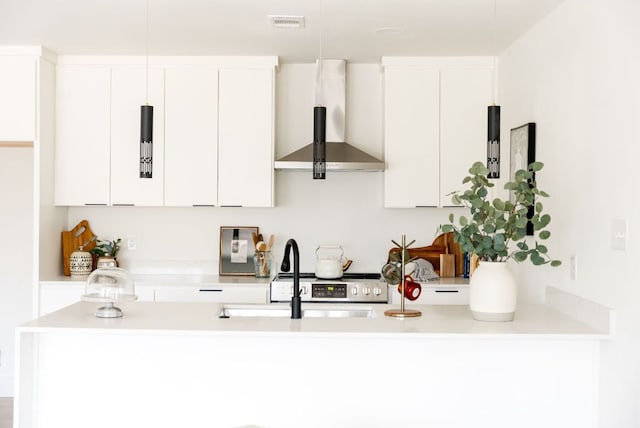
(447, 265)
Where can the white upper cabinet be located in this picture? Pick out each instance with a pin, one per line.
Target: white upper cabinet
(411, 132)
(82, 158)
(128, 94)
(465, 94)
(18, 98)
(191, 136)
(213, 131)
(435, 126)
(246, 137)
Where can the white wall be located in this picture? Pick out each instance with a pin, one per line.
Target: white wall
(345, 208)
(16, 232)
(577, 75)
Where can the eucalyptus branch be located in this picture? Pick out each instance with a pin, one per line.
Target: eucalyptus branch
(494, 225)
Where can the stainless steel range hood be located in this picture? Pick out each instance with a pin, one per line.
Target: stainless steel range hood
(340, 156)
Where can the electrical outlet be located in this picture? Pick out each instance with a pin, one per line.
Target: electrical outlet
(132, 243)
(573, 267)
(619, 234)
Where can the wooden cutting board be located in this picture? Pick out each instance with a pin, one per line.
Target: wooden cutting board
(443, 244)
(73, 239)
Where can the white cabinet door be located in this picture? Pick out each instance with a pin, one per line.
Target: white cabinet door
(465, 94)
(411, 134)
(191, 136)
(17, 98)
(57, 296)
(82, 156)
(128, 94)
(245, 137)
(216, 294)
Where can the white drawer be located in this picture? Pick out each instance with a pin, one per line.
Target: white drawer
(434, 294)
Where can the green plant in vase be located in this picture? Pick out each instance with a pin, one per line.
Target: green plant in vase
(105, 252)
(491, 231)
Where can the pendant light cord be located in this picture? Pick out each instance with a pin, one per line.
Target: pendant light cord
(320, 71)
(321, 29)
(495, 49)
(147, 53)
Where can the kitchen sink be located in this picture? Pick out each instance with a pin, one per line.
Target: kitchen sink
(279, 311)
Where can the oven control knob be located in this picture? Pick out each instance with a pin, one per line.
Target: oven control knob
(354, 291)
(366, 291)
(377, 291)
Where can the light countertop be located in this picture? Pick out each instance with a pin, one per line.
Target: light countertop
(437, 321)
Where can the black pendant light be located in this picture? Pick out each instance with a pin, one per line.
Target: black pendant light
(146, 119)
(493, 115)
(146, 141)
(319, 143)
(319, 121)
(493, 141)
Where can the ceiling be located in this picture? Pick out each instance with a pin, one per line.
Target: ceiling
(355, 30)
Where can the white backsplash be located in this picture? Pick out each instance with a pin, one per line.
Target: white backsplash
(344, 209)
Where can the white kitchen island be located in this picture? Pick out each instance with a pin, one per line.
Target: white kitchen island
(179, 365)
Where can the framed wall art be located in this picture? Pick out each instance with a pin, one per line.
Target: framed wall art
(523, 152)
(237, 250)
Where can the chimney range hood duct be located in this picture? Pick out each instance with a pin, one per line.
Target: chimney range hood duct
(340, 156)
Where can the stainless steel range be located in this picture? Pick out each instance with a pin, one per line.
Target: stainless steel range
(351, 288)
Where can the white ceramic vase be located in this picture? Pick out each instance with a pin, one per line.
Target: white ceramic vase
(106, 261)
(492, 292)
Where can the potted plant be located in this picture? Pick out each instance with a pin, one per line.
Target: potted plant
(491, 232)
(105, 253)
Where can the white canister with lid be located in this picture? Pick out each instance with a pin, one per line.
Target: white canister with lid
(80, 263)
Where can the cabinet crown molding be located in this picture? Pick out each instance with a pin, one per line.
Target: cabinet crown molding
(28, 50)
(140, 60)
(438, 61)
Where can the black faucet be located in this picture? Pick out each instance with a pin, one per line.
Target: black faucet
(296, 307)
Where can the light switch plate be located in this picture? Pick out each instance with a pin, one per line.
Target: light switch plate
(132, 243)
(619, 234)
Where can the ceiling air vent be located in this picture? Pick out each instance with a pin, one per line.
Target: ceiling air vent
(286, 21)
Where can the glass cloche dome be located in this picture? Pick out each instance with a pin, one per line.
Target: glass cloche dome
(109, 285)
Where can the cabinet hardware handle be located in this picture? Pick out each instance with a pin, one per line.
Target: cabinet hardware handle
(446, 291)
(211, 290)
(203, 205)
(95, 205)
(231, 206)
(124, 205)
(425, 206)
